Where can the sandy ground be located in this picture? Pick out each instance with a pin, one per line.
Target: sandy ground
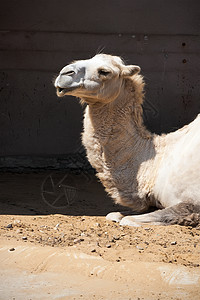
(56, 244)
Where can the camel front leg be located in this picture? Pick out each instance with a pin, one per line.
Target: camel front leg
(138, 206)
(118, 216)
(152, 218)
(185, 213)
(130, 218)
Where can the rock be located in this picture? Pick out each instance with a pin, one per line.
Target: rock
(108, 246)
(44, 226)
(24, 238)
(78, 241)
(93, 250)
(9, 226)
(12, 249)
(17, 221)
(195, 265)
(139, 247)
(173, 243)
(56, 227)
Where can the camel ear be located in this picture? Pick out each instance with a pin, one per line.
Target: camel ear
(130, 70)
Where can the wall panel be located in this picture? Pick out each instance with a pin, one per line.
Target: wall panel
(37, 38)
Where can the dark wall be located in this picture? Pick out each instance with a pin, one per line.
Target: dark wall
(37, 38)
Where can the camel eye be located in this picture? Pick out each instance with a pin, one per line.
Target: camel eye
(103, 72)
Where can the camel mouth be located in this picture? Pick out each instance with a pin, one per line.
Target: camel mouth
(61, 92)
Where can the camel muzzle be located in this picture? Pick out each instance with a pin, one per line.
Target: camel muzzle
(61, 92)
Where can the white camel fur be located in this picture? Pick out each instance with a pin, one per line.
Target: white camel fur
(137, 168)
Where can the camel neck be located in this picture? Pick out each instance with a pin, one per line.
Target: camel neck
(118, 126)
(123, 116)
(118, 144)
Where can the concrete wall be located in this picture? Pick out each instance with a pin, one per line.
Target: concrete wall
(37, 38)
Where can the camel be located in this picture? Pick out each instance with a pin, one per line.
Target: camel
(139, 170)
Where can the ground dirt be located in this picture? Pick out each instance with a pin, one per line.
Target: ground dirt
(56, 244)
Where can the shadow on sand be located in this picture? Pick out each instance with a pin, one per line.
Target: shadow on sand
(54, 192)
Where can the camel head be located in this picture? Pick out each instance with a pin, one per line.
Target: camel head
(98, 79)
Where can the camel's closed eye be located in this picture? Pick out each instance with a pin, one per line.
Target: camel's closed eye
(103, 72)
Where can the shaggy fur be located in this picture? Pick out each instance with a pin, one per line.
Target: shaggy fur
(138, 169)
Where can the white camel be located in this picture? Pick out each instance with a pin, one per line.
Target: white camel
(139, 169)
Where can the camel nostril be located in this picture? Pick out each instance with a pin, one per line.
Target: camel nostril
(68, 73)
